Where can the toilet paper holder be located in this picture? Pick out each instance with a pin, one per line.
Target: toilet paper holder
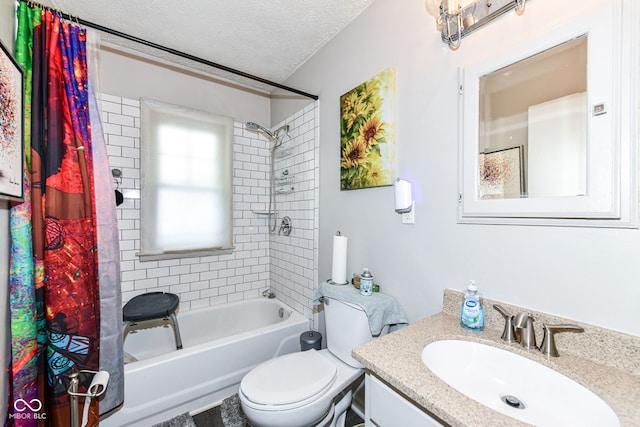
(96, 389)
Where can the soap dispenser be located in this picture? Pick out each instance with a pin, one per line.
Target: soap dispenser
(471, 311)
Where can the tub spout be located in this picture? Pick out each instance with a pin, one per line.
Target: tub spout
(268, 294)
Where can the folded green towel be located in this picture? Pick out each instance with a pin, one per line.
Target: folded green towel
(381, 309)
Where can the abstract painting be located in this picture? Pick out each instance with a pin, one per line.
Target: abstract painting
(367, 141)
(501, 174)
(11, 146)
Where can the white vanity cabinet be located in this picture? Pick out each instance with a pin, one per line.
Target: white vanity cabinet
(386, 408)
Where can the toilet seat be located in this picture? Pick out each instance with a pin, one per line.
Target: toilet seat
(289, 381)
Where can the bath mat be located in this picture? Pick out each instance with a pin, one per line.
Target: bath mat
(231, 412)
(183, 420)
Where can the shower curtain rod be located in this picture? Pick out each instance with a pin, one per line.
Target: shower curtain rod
(170, 50)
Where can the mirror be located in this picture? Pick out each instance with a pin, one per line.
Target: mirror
(548, 131)
(533, 127)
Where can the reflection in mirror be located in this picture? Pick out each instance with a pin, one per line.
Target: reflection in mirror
(533, 126)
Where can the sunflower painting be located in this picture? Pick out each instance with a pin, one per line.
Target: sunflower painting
(367, 144)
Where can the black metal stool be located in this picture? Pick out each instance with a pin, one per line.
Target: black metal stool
(158, 306)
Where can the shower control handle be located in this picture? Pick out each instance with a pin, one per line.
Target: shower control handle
(285, 226)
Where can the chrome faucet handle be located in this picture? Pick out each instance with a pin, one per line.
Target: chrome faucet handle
(548, 346)
(524, 322)
(509, 332)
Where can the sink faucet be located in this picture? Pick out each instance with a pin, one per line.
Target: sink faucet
(548, 346)
(519, 328)
(509, 333)
(524, 322)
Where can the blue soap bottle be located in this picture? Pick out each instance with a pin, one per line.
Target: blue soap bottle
(471, 311)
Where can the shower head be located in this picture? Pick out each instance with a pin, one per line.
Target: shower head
(283, 128)
(253, 126)
(258, 128)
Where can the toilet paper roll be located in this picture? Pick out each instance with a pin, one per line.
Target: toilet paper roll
(99, 383)
(96, 388)
(339, 264)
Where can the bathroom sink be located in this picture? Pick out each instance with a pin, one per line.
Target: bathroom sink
(516, 386)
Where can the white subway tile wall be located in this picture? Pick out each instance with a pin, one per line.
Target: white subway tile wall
(294, 258)
(260, 260)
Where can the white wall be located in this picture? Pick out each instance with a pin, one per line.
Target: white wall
(130, 76)
(7, 20)
(284, 104)
(294, 258)
(587, 274)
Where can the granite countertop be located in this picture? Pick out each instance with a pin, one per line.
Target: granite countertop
(396, 359)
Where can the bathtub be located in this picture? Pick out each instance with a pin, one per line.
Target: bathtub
(221, 344)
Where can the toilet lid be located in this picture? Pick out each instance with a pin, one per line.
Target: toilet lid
(289, 379)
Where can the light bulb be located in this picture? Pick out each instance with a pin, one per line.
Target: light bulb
(452, 7)
(433, 7)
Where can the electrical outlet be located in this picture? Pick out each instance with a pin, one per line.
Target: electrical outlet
(410, 217)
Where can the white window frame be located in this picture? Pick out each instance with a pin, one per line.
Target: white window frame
(170, 226)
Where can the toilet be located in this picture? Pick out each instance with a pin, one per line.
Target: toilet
(313, 387)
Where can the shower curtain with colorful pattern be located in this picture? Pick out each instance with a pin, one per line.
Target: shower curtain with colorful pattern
(59, 322)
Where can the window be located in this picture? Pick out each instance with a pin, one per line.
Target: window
(186, 199)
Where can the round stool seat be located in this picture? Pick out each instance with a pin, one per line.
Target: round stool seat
(149, 306)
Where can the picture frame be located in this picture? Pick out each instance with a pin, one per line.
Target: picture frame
(502, 174)
(367, 133)
(11, 127)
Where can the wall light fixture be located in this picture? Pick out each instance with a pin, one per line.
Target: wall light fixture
(456, 19)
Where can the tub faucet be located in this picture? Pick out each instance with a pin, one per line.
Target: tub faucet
(524, 323)
(268, 294)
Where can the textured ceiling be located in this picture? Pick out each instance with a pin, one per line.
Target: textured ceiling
(269, 39)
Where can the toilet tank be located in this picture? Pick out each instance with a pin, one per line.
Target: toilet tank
(347, 326)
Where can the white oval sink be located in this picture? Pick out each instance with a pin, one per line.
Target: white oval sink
(516, 386)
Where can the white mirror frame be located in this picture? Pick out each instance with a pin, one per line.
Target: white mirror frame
(612, 196)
